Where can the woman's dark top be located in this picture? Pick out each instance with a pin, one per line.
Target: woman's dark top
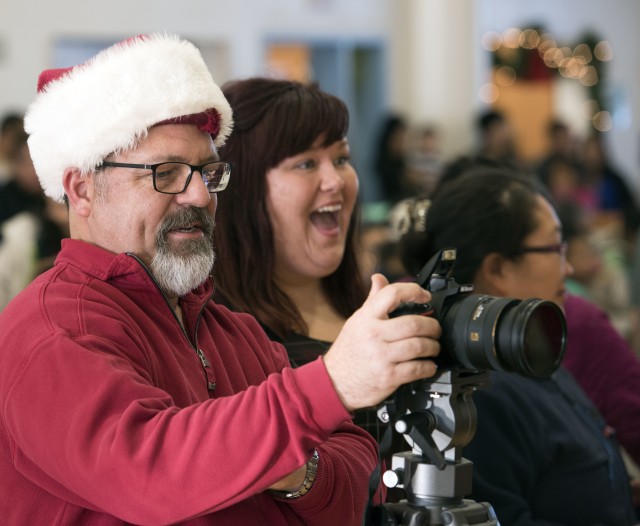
(543, 455)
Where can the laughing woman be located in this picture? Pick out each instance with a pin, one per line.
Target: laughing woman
(286, 231)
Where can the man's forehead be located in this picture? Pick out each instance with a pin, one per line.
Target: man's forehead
(175, 142)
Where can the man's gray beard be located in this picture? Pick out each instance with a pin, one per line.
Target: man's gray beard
(180, 270)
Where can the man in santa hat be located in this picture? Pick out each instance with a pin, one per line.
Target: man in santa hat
(126, 394)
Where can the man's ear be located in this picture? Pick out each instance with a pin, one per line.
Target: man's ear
(79, 191)
(493, 274)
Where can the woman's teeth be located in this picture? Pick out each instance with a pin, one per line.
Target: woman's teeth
(331, 208)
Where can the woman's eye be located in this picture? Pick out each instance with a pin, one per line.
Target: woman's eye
(345, 159)
(305, 165)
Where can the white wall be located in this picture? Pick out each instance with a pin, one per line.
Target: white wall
(436, 64)
(432, 68)
(28, 29)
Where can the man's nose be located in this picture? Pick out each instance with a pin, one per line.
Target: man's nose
(196, 192)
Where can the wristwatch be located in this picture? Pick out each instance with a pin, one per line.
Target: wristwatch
(307, 483)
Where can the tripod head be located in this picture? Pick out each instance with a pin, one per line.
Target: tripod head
(437, 418)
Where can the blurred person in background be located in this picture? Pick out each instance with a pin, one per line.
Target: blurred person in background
(11, 131)
(390, 159)
(495, 139)
(378, 251)
(606, 229)
(21, 191)
(561, 147)
(54, 228)
(617, 211)
(28, 235)
(495, 148)
(424, 161)
(582, 255)
(599, 275)
(566, 183)
(542, 453)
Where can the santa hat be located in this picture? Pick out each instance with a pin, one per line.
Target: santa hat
(84, 113)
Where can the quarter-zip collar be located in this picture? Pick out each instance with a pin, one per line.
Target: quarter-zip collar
(128, 272)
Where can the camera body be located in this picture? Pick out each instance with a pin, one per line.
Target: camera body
(482, 332)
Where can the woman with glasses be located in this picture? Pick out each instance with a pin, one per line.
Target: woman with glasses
(542, 454)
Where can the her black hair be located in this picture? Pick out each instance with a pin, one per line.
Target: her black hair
(485, 210)
(274, 119)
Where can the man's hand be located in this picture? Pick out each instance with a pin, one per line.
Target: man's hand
(374, 354)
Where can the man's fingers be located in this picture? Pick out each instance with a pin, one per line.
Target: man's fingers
(411, 349)
(406, 372)
(408, 326)
(383, 299)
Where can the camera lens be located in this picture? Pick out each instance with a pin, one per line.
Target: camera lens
(531, 338)
(485, 332)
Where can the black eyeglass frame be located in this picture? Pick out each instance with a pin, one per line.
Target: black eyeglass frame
(194, 168)
(557, 248)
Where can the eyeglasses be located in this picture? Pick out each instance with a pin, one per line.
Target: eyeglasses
(174, 177)
(559, 248)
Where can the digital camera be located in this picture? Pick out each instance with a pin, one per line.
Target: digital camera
(482, 332)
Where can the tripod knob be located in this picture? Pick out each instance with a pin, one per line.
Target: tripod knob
(393, 477)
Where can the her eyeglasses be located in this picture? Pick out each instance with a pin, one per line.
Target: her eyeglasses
(174, 177)
(558, 248)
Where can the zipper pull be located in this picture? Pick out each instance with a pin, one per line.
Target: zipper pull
(203, 358)
(211, 386)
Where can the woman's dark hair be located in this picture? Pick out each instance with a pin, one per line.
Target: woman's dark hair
(486, 210)
(274, 120)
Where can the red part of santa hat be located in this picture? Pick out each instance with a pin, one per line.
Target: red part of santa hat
(84, 113)
(49, 75)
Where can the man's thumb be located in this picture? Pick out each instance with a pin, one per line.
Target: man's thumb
(378, 281)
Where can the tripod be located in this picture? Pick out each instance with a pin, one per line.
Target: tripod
(435, 416)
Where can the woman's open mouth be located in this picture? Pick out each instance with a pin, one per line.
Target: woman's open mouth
(325, 218)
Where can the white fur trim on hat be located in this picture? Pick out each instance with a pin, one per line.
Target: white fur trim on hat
(109, 103)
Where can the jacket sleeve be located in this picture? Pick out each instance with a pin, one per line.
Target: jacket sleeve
(86, 425)
(340, 492)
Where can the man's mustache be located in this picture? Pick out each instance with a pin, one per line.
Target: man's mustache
(186, 217)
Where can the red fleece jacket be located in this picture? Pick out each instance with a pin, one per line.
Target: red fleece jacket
(106, 416)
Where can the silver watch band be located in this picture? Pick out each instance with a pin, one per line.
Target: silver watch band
(307, 483)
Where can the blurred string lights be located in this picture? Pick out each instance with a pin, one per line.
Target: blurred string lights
(534, 55)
